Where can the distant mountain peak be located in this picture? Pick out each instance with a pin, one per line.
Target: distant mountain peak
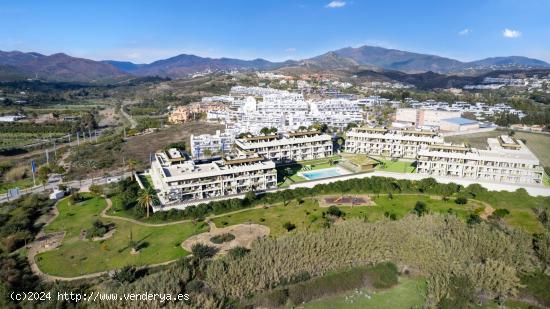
(63, 67)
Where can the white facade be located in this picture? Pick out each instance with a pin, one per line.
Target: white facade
(178, 179)
(293, 146)
(506, 160)
(258, 107)
(215, 144)
(389, 142)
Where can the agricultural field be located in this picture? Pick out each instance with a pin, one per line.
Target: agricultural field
(9, 140)
(77, 256)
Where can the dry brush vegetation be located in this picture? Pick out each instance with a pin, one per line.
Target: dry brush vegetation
(435, 246)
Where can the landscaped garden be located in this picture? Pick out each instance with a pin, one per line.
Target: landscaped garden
(78, 255)
(396, 166)
(306, 214)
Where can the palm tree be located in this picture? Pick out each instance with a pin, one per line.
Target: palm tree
(147, 198)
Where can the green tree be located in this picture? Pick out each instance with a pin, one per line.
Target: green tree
(131, 164)
(96, 190)
(202, 251)
(289, 226)
(43, 173)
(420, 208)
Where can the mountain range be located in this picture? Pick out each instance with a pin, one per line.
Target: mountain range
(61, 67)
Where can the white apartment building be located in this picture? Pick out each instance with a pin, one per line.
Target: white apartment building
(293, 146)
(424, 117)
(392, 143)
(505, 160)
(205, 145)
(282, 103)
(178, 179)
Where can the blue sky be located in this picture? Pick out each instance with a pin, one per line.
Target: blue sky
(144, 31)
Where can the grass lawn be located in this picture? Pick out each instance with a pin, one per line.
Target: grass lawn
(395, 166)
(409, 293)
(78, 256)
(146, 180)
(308, 215)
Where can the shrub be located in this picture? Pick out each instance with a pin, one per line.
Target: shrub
(335, 211)
(500, 213)
(194, 286)
(473, 219)
(289, 226)
(202, 251)
(15, 173)
(96, 190)
(420, 208)
(461, 200)
(237, 252)
(383, 275)
(98, 229)
(126, 274)
(219, 239)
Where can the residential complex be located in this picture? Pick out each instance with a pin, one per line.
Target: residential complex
(224, 165)
(183, 113)
(394, 143)
(178, 178)
(254, 108)
(206, 145)
(506, 160)
(292, 146)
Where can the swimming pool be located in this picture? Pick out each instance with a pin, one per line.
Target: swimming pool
(323, 173)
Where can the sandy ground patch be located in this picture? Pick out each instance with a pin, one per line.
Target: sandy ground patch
(244, 234)
(108, 117)
(487, 212)
(346, 200)
(107, 235)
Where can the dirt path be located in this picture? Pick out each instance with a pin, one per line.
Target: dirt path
(40, 241)
(487, 212)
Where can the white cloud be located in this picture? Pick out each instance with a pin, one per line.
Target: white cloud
(336, 4)
(465, 31)
(509, 33)
(290, 50)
